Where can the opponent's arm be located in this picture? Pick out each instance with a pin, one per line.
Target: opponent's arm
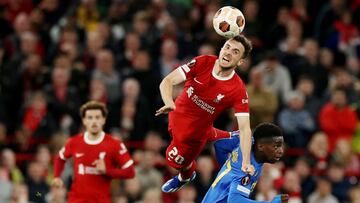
(245, 143)
(223, 147)
(166, 89)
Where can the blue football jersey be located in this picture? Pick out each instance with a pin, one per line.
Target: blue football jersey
(231, 183)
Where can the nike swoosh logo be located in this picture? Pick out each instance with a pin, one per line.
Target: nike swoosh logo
(198, 81)
(77, 155)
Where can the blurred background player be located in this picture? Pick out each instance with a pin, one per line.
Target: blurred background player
(211, 86)
(97, 156)
(231, 183)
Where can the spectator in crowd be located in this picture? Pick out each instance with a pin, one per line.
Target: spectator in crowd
(36, 119)
(206, 175)
(10, 170)
(276, 76)
(106, 72)
(63, 100)
(145, 171)
(296, 121)
(344, 80)
(168, 60)
(43, 157)
(291, 59)
(36, 182)
(292, 186)
(318, 150)
(322, 194)
(154, 142)
(261, 110)
(344, 156)
(303, 168)
(340, 183)
(131, 115)
(132, 189)
(20, 193)
(313, 67)
(312, 104)
(98, 91)
(94, 43)
(149, 81)
(337, 119)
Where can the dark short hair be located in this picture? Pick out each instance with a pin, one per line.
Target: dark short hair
(265, 131)
(246, 43)
(93, 105)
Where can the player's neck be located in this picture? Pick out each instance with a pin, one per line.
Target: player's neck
(94, 136)
(222, 72)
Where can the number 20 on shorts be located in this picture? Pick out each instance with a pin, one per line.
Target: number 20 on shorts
(173, 155)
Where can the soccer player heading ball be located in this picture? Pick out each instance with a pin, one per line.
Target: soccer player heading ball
(211, 86)
(232, 184)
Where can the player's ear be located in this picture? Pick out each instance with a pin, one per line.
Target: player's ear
(260, 146)
(241, 61)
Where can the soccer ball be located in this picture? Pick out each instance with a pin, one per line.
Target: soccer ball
(229, 21)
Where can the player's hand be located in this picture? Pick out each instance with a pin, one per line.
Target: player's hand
(283, 198)
(100, 166)
(57, 183)
(248, 168)
(165, 109)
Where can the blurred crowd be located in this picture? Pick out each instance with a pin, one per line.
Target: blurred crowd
(303, 75)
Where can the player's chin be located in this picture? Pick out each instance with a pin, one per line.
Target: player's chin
(274, 160)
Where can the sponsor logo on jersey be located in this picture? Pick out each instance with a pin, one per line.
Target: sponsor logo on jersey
(199, 102)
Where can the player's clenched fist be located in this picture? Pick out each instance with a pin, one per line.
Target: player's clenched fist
(283, 198)
(57, 183)
(248, 168)
(165, 109)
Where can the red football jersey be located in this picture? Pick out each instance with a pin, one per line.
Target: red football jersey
(204, 97)
(88, 184)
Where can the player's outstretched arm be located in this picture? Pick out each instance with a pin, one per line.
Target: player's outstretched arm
(245, 143)
(58, 168)
(166, 90)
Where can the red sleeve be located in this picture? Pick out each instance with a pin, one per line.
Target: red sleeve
(61, 158)
(123, 159)
(58, 166)
(241, 105)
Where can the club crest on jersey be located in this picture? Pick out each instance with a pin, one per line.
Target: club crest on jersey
(245, 180)
(219, 98)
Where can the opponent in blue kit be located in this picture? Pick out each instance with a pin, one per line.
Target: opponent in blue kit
(231, 183)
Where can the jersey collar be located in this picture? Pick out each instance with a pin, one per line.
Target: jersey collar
(93, 142)
(222, 78)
